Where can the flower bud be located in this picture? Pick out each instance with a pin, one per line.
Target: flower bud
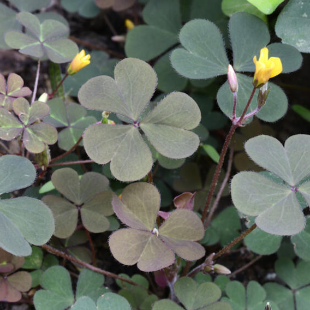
(268, 307)
(118, 38)
(79, 62)
(43, 97)
(219, 269)
(43, 159)
(129, 24)
(262, 95)
(232, 79)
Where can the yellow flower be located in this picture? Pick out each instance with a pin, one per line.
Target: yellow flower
(266, 68)
(129, 24)
(79, 62)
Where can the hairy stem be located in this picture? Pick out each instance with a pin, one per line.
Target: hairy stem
(86, 265)
(91, 244)
(234, 242)
(78, 162)
(234, 126)
(35, 89)
(68, 152)
(234, 106)
(220, 192)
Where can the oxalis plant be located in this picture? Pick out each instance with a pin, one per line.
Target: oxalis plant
(110, 190)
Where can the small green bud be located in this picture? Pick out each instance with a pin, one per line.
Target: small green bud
(43, 159)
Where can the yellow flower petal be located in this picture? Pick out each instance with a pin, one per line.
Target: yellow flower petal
(277, 69)
(79, 62)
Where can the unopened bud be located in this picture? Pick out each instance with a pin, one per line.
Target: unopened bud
(105, 114)
(262, 95)
(268, 307)
(129, 24)
(43, 159)
(118, 38)
(43, 97)
(232, 79)
(219, 269)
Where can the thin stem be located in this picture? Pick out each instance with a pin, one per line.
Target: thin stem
(234, 242)
(80, 158)
(91, 244)
(150, 177)
(234, 106)
(34, 94)
(246, 107)
(253, 113)
(196, 270)
(78, 162)
(186, 268)
(246, 266)
(110, 26)
(235, 125)
(220, 192)
(5, 147)
(218, 170)
(68, 152)
(86, 265)
(51, 96)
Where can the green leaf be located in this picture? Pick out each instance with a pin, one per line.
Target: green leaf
(302, 242)
(230, 7)
(8, 22)
(130, 157)
(254, 194)
(293, 24)
(166, 304)
(88, 282)
(193, 297)
(18, 173)
(84, 303)
(212, 152)
(57, 293)
(253, 298)
(86, 8)
(24, 219)
(281, 295)
(47, 37)
(112, 301)
(248, 35)
(266, 6)
(275, 107)
(34, 261)
(30, 5)
(302, 111)
(164, 22)
(168, 79)
(200, 59)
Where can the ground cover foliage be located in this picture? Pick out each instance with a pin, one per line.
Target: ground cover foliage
(146, 160)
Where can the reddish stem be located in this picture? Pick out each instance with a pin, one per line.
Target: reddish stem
(51, 96)
(91, 244)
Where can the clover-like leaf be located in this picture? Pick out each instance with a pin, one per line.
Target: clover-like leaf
(12, 89)
(57, 290)
(47, 38)
(12, 283)
(35, 133)
(205, 297)
(293, 23)
(251, 298)
(30, 5)
(72, 116)
(248, 35)
(142, 243)
(297, 296)
(267, 6)
(87, 196)
(166, 126)
(276, 206)
(22, 219)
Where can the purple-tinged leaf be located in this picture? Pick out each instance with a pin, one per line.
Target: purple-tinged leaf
(2, 84)
(182, 224)
(164, 214)
(7, 268)
(188, 250)
(21, 281)
(21, 109)
(184, 201)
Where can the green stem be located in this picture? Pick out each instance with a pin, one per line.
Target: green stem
(34, 94)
